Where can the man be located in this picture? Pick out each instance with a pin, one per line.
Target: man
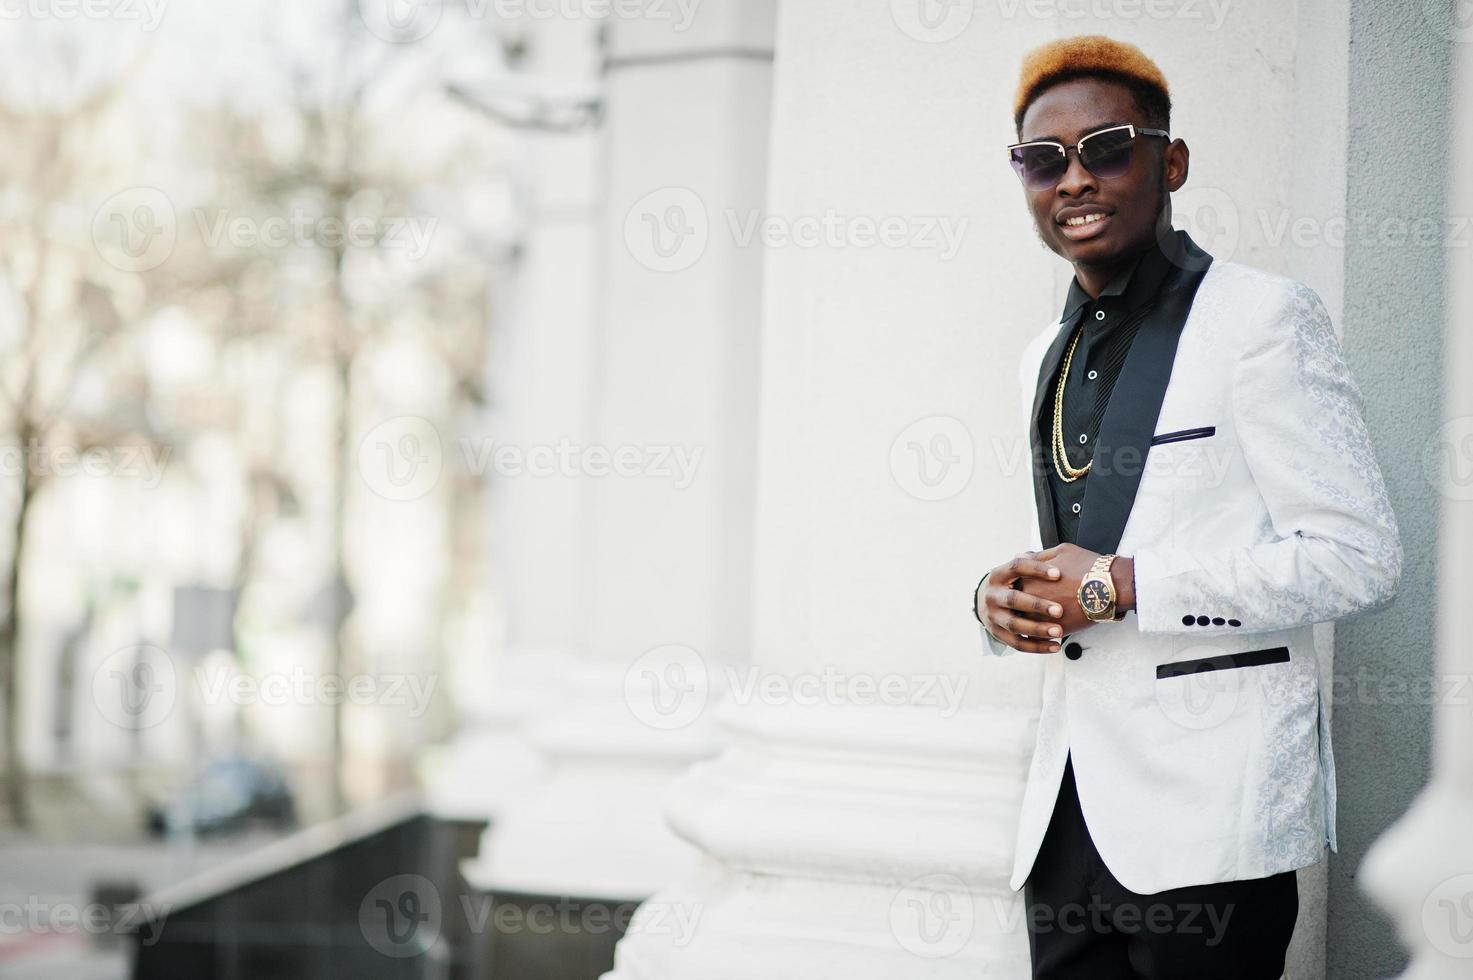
(1205, 491)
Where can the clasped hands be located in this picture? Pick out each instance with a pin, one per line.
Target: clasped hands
(1031, 602)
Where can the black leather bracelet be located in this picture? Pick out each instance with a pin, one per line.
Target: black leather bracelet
(974, 600)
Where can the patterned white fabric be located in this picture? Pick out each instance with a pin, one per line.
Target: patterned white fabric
(1279, 519)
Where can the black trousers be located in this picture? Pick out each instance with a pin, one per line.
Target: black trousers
(1084, 924)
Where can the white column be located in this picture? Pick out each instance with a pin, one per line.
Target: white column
(545, 322)
(1421, 870)
(670, 459)
(861, 823)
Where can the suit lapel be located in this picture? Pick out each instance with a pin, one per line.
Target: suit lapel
(1130, 419)
(1135, 405)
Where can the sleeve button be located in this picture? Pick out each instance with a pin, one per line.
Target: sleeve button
(1203, 620)
(1218, 621)
(1189, 620)
(1073, 650)
(1234, 622)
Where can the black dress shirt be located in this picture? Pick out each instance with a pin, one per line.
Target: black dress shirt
(1105, 327)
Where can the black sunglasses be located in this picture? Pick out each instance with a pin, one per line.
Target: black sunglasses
(1105, 153)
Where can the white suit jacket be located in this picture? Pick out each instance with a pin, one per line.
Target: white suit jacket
(1198, 723)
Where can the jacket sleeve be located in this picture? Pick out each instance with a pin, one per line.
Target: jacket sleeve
(1335, 549)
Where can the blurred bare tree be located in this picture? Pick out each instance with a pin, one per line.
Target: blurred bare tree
(383, 184)
(331, 153)
(65, 313)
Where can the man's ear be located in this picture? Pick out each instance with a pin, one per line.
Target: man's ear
(1178, 162)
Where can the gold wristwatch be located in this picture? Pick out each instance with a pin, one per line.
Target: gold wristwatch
(1097, 591)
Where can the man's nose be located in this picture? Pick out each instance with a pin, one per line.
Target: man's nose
(1076, 180)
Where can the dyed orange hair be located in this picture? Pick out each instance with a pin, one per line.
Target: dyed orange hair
(1091, 55)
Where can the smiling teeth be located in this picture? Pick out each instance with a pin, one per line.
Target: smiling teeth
(1088, 219)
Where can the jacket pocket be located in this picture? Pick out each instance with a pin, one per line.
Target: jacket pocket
(1181, 435)
(1228, 661)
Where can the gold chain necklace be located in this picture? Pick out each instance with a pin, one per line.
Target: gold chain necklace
(1066, 472)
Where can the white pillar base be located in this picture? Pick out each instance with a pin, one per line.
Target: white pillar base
(845, 841)
(592, 828)
(1421, 872)
(491, 762)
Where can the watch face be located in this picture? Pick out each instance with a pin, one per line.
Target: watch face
(1094, 595)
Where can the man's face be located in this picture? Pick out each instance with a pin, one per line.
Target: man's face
(1134, 205)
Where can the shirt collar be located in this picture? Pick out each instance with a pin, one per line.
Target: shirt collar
(1134, 286)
